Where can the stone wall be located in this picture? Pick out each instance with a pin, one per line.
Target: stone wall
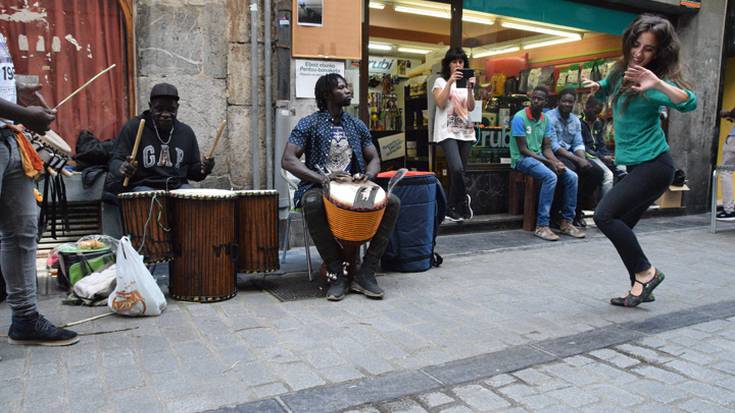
(203, 47)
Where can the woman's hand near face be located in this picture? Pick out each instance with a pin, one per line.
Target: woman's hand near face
(591, 84)
(641, 78)
(456, 75)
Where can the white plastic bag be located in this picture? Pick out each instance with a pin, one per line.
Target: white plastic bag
(136, 293)
(97, 285)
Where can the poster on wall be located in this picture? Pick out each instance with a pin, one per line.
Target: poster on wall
(308, 71)
(310, 12)
(392, 146)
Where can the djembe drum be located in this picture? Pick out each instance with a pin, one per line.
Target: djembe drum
(257, 213)
(205, 243)
(354, 211)
(145, 220)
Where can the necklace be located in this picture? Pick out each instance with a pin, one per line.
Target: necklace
(170, 134)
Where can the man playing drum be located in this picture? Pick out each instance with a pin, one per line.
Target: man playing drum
(19, 212)
(167, 156)
(337, 146)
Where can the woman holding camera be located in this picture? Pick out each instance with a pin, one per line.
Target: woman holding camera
(453, 130)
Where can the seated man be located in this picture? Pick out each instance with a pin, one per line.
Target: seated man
(593, 136)
(340, 145)
(570, 150)
(530, 152)
(168, 155)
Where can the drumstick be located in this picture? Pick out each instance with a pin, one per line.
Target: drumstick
(216, 137)
(135, 148)
(84, 85)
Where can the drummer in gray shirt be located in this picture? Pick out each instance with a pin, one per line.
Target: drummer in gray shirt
(336, 146)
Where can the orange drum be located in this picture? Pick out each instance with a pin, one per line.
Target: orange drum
(354, 210)
(145, 221)
(205, 244)
(257, 213)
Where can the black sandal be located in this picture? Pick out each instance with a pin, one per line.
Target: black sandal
(646, 296)
(620, 301)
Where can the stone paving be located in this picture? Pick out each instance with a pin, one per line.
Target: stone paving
(197, 357)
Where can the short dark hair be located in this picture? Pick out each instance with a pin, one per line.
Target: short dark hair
(592, 102)
(541, 88)
(568, 91)
(453, 54)
(324, 87)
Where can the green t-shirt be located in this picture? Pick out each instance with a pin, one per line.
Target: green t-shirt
(638, 134)
(534, 130)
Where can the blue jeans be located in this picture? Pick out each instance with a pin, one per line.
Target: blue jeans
(18, 229)
(548, 179)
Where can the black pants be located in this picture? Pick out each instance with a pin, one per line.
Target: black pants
(589, 180)
(619, 211)
(316, 220)
(456, 152)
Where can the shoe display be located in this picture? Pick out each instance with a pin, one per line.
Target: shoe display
(725, 216)
(567, 228)
(546, 233)
(338, 288)
(468, 213)
(365, 283)
(36, 330)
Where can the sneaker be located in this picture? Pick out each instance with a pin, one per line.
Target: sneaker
(468, 213)
(37, 330)
(337, 289)
(546, 233)
(567, 228)
(453, 215)
(725, 216)
(365, 283)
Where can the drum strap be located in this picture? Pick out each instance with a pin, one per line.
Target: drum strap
(53, 205)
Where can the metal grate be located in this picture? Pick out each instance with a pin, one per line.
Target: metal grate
(293, 287)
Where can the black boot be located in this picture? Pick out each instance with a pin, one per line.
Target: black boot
(35, 329)
(365, 283)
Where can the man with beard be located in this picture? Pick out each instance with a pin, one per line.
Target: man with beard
(336, 146)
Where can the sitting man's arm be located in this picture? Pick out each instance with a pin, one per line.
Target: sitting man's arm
(291, 161)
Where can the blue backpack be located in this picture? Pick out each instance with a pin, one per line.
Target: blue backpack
(423, 204)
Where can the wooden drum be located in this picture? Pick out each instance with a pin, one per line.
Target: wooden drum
(205, 245)
(145, 221)
(354, 210)
(257, 231)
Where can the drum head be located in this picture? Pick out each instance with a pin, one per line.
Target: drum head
(364, 196)
(202, 193)
(141, 194)
(56, 142)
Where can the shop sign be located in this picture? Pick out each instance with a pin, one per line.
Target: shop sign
(309, 71)
(392, 146)
(390, 65)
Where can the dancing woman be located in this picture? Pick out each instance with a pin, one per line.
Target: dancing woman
(647, 77)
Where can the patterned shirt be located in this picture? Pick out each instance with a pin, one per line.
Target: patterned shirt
(314, 134)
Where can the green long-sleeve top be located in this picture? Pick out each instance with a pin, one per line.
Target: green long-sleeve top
(638, 134)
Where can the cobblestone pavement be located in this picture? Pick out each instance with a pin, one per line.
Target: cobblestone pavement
(689, 369)
(254, 348)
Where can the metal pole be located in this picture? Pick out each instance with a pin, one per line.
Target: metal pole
(268, 93)
(254, 99)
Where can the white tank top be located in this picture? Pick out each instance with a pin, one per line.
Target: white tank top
(7, 75)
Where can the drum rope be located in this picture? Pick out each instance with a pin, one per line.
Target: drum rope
(154, 201)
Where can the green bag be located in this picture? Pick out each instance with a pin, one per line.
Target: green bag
(83, 268)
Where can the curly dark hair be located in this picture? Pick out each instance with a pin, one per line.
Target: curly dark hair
(665, 63)
(453, 54)
(324, 87)
(568, 91)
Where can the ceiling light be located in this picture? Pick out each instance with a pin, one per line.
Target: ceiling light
(412, 50)
(380, 46)
(478, 19)
(376, 5)
(545, 30)
(494, 52)
(548, 43)
(424, 12)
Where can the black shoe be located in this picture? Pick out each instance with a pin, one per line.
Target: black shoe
(37, 330)
(620, 301)
(338, 289)
(579, 220)
(453, 215)
(725, 216)
(365, 283)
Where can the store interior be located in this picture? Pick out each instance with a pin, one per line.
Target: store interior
(510, 56)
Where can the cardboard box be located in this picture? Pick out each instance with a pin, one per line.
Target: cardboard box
(672, 197)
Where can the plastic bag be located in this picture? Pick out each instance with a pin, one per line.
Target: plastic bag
(97, 285)
(136, 293)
